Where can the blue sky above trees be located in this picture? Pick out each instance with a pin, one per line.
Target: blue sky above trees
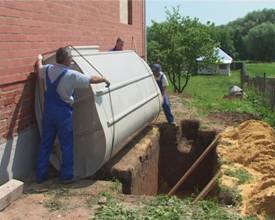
(217, 11)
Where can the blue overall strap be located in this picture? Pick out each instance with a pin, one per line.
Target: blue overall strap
(47, 71)
(159, 82)
(56, 82)
(161, 78)
(51, 94)
(57, 120)
(47, 75)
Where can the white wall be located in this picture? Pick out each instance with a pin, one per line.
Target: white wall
(18, 155)
(225, 71)
(209, 69)
(214, 69)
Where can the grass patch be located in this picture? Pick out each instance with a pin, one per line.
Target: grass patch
(258, 69)
(263, 110)
(93, 200)
(116, 185)
(113, 209)
(241, 174)
(207, 95)
(164, 207)
(208, 91)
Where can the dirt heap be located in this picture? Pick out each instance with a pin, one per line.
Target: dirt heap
(251, 146)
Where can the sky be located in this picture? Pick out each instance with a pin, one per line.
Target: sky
(217, 11)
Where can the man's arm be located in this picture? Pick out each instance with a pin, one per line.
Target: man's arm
(164, 90)
(164, 84)
(83, 81)
(98, 79)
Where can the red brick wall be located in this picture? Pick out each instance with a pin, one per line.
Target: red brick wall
(28, 28)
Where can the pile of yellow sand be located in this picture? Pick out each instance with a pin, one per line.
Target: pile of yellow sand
(252, 146)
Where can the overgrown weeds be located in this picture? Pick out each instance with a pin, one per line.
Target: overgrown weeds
(241, 174)
(164, 207)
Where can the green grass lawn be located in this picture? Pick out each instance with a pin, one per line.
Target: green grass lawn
(164, 208)
(258, 69)
(208, 91)
(207, 95)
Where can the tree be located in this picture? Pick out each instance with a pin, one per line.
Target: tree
(178, 42)
(240, 28)
(222, 35)
(260, 42)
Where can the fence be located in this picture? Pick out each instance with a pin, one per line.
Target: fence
(261, 84)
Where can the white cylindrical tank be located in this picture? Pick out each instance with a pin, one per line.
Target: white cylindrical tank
(106, 119)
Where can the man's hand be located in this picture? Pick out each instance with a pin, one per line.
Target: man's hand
(39, 57)
(99, 79)
(38, 64)
(107, 82)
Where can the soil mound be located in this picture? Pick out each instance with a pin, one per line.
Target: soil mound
(252, 146)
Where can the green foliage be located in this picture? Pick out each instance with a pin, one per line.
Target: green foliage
(263, 110)
(178, 42)
(223, 36)
(164, 207)
(253, 35)
(114, 210)
(116, 185)
(260, 42)
(206, 210)
(241, 174)
(250, 37)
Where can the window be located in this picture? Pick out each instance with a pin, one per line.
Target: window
(222, 66)
(126, 11)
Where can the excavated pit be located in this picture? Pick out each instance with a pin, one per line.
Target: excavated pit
(158, 157)
(179, 148)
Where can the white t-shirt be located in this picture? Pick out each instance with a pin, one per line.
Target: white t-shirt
(164, 79)
(68, 83)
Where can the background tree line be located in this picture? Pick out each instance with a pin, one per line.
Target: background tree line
(249, 38)
(179, 40)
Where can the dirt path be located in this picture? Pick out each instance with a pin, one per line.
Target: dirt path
(215, 120)
(54, 201)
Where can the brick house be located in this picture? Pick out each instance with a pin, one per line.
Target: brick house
(28, 28)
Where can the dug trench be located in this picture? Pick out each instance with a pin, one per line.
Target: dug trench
(159, 156)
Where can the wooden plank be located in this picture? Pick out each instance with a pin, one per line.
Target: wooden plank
(9, 192)
(194, 165)
(208, 187)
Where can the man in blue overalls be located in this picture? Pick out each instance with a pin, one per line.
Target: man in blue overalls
(60, 83)
(163, 83)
